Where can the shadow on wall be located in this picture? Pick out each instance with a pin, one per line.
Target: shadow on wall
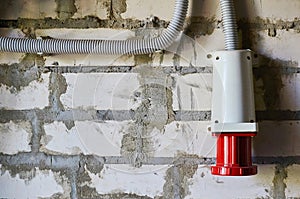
(278, 128)
(276, 138)
(277, 107)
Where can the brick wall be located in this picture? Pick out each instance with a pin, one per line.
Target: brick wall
(94, 126)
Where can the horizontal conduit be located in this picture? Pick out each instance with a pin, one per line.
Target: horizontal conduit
(114, 47)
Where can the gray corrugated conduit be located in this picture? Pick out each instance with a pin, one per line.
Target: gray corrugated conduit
(114, 47)
(229, 24)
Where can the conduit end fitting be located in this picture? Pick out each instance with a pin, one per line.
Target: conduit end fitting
(234, 155)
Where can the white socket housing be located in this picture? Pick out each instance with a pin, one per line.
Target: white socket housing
(233, 108)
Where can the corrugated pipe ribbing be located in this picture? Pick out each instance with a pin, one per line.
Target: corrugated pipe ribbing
(114, 47)
(229, 24)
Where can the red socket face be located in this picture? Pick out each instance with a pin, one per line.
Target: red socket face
(234, 155)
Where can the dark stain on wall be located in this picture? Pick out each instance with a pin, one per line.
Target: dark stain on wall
(19, 75)
(65, 9)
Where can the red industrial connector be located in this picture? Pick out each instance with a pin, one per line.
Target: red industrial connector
(234, 155)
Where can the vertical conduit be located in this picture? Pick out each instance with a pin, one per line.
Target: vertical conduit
(229, 24)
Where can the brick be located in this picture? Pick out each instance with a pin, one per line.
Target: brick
(89, 60)
(205, 185)
(100, 91)
(35, 95)
(85, 137)
(90, 7)
(58, 139)
(292, 182)
(277, 139)
(15, 137)
(194, 51)
(184, 138)
(40, 184)
(282, 47)
(206, 44)
(290, 94)
(145, 181)
(164, 10)
(34, 9)
(161, 9)
(273, 10)
(192, 92)
(91, 33)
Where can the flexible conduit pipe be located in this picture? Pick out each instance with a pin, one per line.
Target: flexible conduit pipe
(114, 47)
(229, 24)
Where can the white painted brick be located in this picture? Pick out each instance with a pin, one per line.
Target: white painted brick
(205, 185)
(293, 182)
(145, 181)
(143, 9)
(58, 139)
(290, 94)
(246, 9)
(27, 9)
(259, 95)
(90, 7)
(35, 95)
(192, 92)
(285, 10)
(15, 137)
(184, 138)
(193, 52)
(277, 139)
(285, 46)
(103, 139)
(91, 33)
(183, 50)
(42, 185)
(207, 44)
(100, 91)
(89, 60)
